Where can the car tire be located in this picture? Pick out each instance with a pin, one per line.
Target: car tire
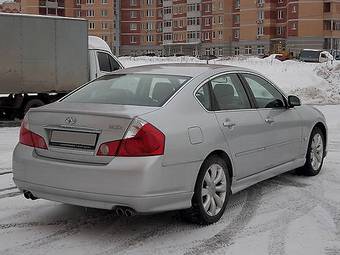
(315, 154)
(206, 212)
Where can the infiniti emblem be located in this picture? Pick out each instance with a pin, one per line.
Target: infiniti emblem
(71, 120)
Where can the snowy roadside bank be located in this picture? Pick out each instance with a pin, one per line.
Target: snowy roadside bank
(313, 83)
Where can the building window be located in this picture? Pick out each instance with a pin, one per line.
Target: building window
(149, 13)
(336, 25)
(237, 51)
(133, 2)
(327, 25)
(280, 14)
(90, 13)
(167, 37)
(293, 26)
(133, 26)
(167, 23)
(327, 7)
(220, 35)
(167, 10)
(149, 38)
(260, 30)
(207, 7)
(104, 1)
(260, 49)
(104, 13)
(149, 25)
(237, 19)
(91, 25)
(220, 52)
(260, 15)
(89, 1)
(207, 22)
(193, 7)
(237, 4)
(149, 2)
(237, 34)
(248, 50)
(132, 39)
(105, 25)
(294, 9)
(279, 30)
(133, 14)
(104, 37)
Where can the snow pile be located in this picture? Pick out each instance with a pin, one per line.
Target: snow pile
(314, 83)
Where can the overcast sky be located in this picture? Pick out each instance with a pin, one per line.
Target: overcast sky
(1, 1)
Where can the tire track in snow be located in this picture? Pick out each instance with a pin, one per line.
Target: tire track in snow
(226, 235)
(174, 225)
(70, 227)
(12, 194)
(5, 189)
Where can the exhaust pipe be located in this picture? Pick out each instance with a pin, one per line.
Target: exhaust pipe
(29, 195)
(120, 212)
(125, 211)
(129, 212)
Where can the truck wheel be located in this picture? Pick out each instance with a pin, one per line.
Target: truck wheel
(33, 103)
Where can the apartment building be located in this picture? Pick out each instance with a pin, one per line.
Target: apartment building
(10, 7)
(176, 27)
(203, 27)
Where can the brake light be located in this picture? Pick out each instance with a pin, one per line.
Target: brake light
(141, 139)
(29, 138)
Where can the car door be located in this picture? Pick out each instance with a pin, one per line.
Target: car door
(283, 130)
(241, 124)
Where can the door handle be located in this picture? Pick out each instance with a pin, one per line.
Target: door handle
(269, 120)
(229, 124)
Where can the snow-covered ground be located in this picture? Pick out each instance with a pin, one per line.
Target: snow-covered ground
(313, 83)
(288, 214)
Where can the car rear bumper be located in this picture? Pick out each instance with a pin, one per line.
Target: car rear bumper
(142, 183)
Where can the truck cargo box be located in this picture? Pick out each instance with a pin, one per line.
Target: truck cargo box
(40, 54)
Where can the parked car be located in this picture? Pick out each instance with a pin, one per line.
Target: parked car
(166, 137)
(316, 56)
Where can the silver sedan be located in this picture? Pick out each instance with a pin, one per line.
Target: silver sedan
(166, 137)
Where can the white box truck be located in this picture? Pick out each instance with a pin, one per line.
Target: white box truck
(43, 57)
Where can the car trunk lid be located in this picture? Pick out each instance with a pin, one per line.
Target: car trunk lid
(74, 131)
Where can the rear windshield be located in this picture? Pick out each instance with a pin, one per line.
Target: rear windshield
(129, 89)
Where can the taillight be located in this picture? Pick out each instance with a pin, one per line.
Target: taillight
(141, 139)
(29, 138)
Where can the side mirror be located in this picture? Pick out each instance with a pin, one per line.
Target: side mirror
(293, 101)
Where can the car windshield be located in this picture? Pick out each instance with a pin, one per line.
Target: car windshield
(310, 54)
(129, 89)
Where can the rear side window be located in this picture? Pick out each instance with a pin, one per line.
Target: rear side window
(129, 89)
(229, 93)
(107, 62)
(203, 95)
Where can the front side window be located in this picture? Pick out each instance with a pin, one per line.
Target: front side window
(229, 93)
(129, 89)
(107, 63)
(266, 96)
